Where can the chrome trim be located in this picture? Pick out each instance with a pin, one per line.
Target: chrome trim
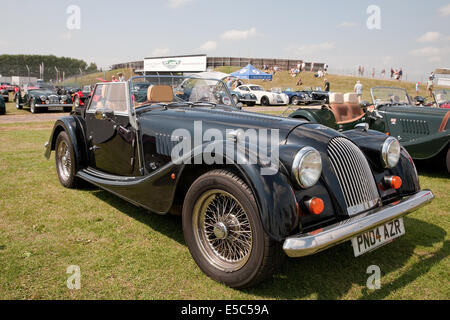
(310, 243)
(354, 174)
(384, 151)
(53, 105)
(298, 160)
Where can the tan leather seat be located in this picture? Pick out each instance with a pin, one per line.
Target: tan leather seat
(337, 106)
(159, 94)
(352, 103)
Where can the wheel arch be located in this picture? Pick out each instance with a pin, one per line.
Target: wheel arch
(279, 218)
(74, 130)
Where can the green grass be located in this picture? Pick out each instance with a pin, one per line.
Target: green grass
(128, 253)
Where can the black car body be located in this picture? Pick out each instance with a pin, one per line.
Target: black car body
(237, 213)
(2, 106)
(40, 97)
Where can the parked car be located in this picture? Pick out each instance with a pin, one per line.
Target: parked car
(423, 131)
(264, 97)
(81, 96)
(442, 98)
(2, 106)
(298, 97)
(248, 99)
(5, 89)
(322, 189)
(41, 96)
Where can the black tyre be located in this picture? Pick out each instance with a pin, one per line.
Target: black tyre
(33, 108)
(265, 101)
(250, 104)
(76, 102)
(18, 106)
(65, 161)
(223, 231)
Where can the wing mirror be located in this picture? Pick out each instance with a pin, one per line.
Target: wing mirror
(104, 114)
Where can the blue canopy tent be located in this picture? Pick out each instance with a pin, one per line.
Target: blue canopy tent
(250, 72)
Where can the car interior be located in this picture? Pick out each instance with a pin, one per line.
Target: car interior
(345, 107)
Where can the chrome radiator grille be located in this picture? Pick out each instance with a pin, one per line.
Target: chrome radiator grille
(52, 99)
(354, 175)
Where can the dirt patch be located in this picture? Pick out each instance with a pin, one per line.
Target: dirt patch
(43, 117)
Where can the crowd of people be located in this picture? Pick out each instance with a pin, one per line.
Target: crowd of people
(396, 74)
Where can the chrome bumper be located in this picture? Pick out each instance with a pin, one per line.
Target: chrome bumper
(315, 241)
(54, 105)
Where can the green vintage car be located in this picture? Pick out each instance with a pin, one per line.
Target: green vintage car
(423, 131)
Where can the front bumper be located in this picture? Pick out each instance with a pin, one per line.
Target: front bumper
(68, 105)
(312, 242)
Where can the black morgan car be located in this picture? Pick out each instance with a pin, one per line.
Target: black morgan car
(248, 186)
(41, 97)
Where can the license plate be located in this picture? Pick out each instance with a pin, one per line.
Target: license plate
(55, 108)
(378, 237)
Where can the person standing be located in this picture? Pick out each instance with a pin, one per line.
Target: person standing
(358, 89)
(430, 87)
(121, 77)
(303, 66)
(326, 85)
(417, 88)
(312, 66)
(383, 73)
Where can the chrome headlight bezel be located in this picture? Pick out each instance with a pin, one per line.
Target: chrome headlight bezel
(43, 98)
(390, 152)
(301, 167)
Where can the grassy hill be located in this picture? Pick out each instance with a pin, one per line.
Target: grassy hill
(92, 78)
(338, 83)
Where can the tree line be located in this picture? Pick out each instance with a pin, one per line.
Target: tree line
(16, 65)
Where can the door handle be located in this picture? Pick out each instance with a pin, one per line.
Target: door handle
(94, 148)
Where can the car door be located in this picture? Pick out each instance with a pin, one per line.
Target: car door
(112, 140)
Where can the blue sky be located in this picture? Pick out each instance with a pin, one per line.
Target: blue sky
(413, 35)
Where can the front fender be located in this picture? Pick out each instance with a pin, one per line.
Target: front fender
(273, 192)
(74, 130)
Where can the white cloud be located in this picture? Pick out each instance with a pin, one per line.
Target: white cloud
(160, 52)
(315, 48)
(209, 46)
(432, 54)
(348, 24)
(65, 35)
(431, 36)
(444, 11)
(177, 3)
(239, 34)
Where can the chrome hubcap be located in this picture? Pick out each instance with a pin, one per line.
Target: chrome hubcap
(222, 230)
(64, 160)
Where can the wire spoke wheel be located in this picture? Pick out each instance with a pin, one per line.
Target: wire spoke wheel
(64, 162)
(222, 230)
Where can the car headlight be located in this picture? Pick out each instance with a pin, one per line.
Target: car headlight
(307, 167)
(390, 152)
(43, 98)
(63, 98)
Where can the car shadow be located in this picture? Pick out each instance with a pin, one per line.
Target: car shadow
(431, 169)
(330, 274)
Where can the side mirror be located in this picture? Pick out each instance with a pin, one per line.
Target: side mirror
(104, 114)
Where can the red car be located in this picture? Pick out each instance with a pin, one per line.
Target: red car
(81, 97)
(5, 89)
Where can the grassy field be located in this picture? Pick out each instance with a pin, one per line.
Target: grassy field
(128, 253)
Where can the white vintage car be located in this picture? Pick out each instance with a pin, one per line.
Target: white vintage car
(264, 97)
